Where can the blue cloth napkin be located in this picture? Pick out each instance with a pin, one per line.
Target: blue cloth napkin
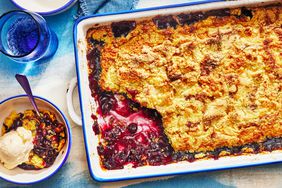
(89, 7)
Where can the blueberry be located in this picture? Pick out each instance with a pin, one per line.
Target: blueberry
(107, 102)
(246, 12)
(95, 127)
(100, 149)
(132, 128)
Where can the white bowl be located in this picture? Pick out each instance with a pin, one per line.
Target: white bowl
(21, 103)
(44, 7)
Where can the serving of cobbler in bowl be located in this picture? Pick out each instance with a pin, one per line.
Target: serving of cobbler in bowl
(194, 86)
(32, 147)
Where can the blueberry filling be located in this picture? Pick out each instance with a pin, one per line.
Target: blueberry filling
(163, 22)
(107, 102)
(246, 12)
(122, 28)
(272, 144)
(95, 127)
(219, 13)
(195, 17)
(95, 42)
(133, 136)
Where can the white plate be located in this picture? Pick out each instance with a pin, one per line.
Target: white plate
(88, 105)
(44, 7)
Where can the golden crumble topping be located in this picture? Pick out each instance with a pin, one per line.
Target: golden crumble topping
(216, 82)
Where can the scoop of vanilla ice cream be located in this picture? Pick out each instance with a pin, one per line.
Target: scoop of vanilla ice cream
(15, 147)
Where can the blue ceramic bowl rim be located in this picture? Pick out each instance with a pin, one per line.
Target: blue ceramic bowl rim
(92, 174)
(48, 13)
(69, 140)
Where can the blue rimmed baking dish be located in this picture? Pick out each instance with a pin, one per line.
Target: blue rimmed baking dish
(89, 107)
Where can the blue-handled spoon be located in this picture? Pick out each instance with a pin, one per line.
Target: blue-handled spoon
(22, 79)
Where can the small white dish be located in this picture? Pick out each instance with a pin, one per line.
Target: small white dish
(21, 103)
(44, 7)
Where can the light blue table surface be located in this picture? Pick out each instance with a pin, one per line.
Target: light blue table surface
(75, 173)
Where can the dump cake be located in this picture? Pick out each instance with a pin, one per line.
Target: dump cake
(48, 136)
(205, 84)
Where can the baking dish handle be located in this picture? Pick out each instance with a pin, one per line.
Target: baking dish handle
(74, 116)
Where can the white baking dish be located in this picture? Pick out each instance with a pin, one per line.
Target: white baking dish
(88, 105)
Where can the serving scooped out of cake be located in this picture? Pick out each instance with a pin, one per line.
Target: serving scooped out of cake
(187, 86)
(31, 142)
